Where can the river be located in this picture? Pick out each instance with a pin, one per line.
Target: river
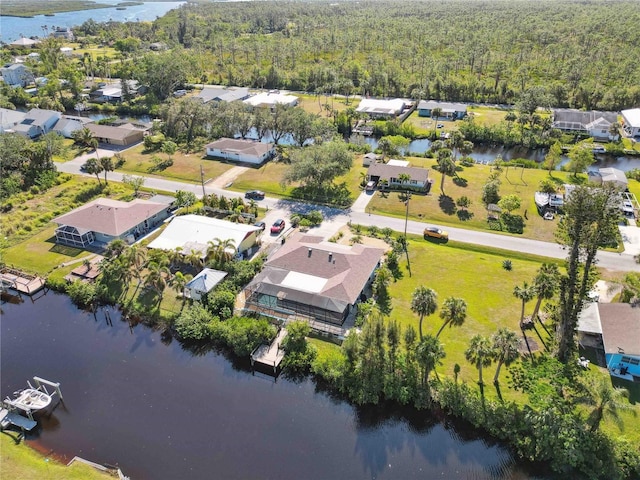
(162, 412)
(13, 28)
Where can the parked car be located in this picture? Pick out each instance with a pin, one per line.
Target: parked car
(371, 185)
(278, 226)
(440, 125)
(254, 195)
(260, 225)
(435, 232)
(179, 93)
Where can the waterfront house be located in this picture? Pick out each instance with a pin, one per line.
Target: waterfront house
(24, 42)
(370, 158)
(241, 151)
(593, 123)
(69, 124)
(314, 280)
(37, 122)
(16, 75)
(9, 119)
(388, 174)
(610, 176)
(450, 110)
(104, 220)
(382, 108)
(271, 99)
(631, 122)
(192, 233)
(203, 283)
(123, 135)
(208, 94)
(63, 32)
(613, 328)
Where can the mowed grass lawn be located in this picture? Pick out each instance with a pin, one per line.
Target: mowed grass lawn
(442, 211)
(186, 166)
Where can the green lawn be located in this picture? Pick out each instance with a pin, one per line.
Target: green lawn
(185, 166)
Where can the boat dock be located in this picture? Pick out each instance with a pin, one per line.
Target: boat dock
(270, 355)
(20, 281)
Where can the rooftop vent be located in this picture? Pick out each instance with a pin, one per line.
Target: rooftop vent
(310, 250)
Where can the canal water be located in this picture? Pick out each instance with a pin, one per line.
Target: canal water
(160, 411)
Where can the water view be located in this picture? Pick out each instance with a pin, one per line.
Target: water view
(138, 400)
(13, 28)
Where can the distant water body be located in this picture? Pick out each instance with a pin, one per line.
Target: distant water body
(12, 28)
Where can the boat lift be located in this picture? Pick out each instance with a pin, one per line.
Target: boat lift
(13, 411)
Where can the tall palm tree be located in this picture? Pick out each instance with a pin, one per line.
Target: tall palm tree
(445, 165)
(107, 166)
(219, 252)
(606, 399)
(505, 344)
(93, 167)
(424, 301)
(194, 258)
(546, 284)
(115, 248)
(178, 282)
(156, 278)
(429, 352)
(455, 143)
(436, 113)
(525, 293)
(479, 353)
(453, 312)
(136, 258)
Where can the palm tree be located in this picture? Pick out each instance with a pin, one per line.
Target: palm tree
(156, 277)
(424, 302)
(135, 259)
(93, 167)
(455, 143)
(84, 137)
(107, 166)
(435, 113)
(454, 313)
(194, 258)
(219, 252)
(525, 293)
(445, 165)
(178, 282)
(429, 352)
(606, 399)
(546, 284)
(505, 344)
(115, 248)
(480, 354)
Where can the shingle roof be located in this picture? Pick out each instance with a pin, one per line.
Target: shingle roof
(107, 131)
(39, 116)
(386, 172)
(10, 117)
(206, 280)
(110, 217)
(246, 147)
(620, 328)
(445, 106)
(223, 94)
(342, 272)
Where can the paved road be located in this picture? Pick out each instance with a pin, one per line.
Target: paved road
(336, 218)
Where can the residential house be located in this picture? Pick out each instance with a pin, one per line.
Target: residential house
(24, 42)
(63, 32)
(69, 124)
(370, 158)
(238, 150)
(192, 233)
(37, 122)
(315, 280)
(208, 94)
(593, 123)
(615, 329)
(453, 111)
(9, 119)
(203, 283)
(123, 135)
(382, 108)
(611, 176)
(113, 92)
(387, 175)
(16, 75)
(271, 99)
(631, 122)
(104, 220)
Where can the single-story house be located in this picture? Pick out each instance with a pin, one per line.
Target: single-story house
(381, 108)
(593, 123)
(203, 283)
(24, 42)
(614, 328)
(112, 92)
(238, 150)
(313, 279)
(271, 99)
(389, 174)
(69, 124)
(223, 94)
(454, 111)
(194, 232)
(631, 122)
(611, 176)
(37, 122)
(122, 135)
(16, 74)
(10, 118)
(104, 220)
(63, 32)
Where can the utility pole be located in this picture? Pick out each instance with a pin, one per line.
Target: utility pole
(406, 220)
(202, 181)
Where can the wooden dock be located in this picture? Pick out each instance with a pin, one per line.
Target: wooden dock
(270, 355)
(20, 281)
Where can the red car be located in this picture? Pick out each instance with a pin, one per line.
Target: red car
(277, 226)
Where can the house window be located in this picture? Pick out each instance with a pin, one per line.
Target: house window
(625, 359)
(393, 180)
(634, 361)
(414, 182)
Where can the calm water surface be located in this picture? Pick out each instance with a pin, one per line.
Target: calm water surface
(162, 412)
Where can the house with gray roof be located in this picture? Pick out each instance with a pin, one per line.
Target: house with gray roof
(389, 174)
(37, 122)
(16, 75)
(69, 124)
(593, 123)
(208, 94)
(104, 220)
(123, 135)
(239, 150)
(203, 283)
(10, 118)
(307, 278)
(453, 111)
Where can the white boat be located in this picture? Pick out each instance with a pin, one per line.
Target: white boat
(30, 399)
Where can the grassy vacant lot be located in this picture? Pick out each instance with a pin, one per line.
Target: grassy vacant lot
(20, 461)
(316, 104)
(185, 166)
(441, 209)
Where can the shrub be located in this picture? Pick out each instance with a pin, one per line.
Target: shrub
(193, 323)
(507, 265)
(81, 293)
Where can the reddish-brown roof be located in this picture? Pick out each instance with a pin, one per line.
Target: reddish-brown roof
(620, 328)
(110, 217)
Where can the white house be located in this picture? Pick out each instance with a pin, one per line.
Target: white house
(389, 174)
(203, 283)
(194, 232)
(631, 122)
(238, 150)
(10, 118)
(16, 74)
(208, 94)
(271, 99)
(380, 108)
(592, 122)
(37, 122)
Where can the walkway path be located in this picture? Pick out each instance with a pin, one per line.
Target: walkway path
(270, 355)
